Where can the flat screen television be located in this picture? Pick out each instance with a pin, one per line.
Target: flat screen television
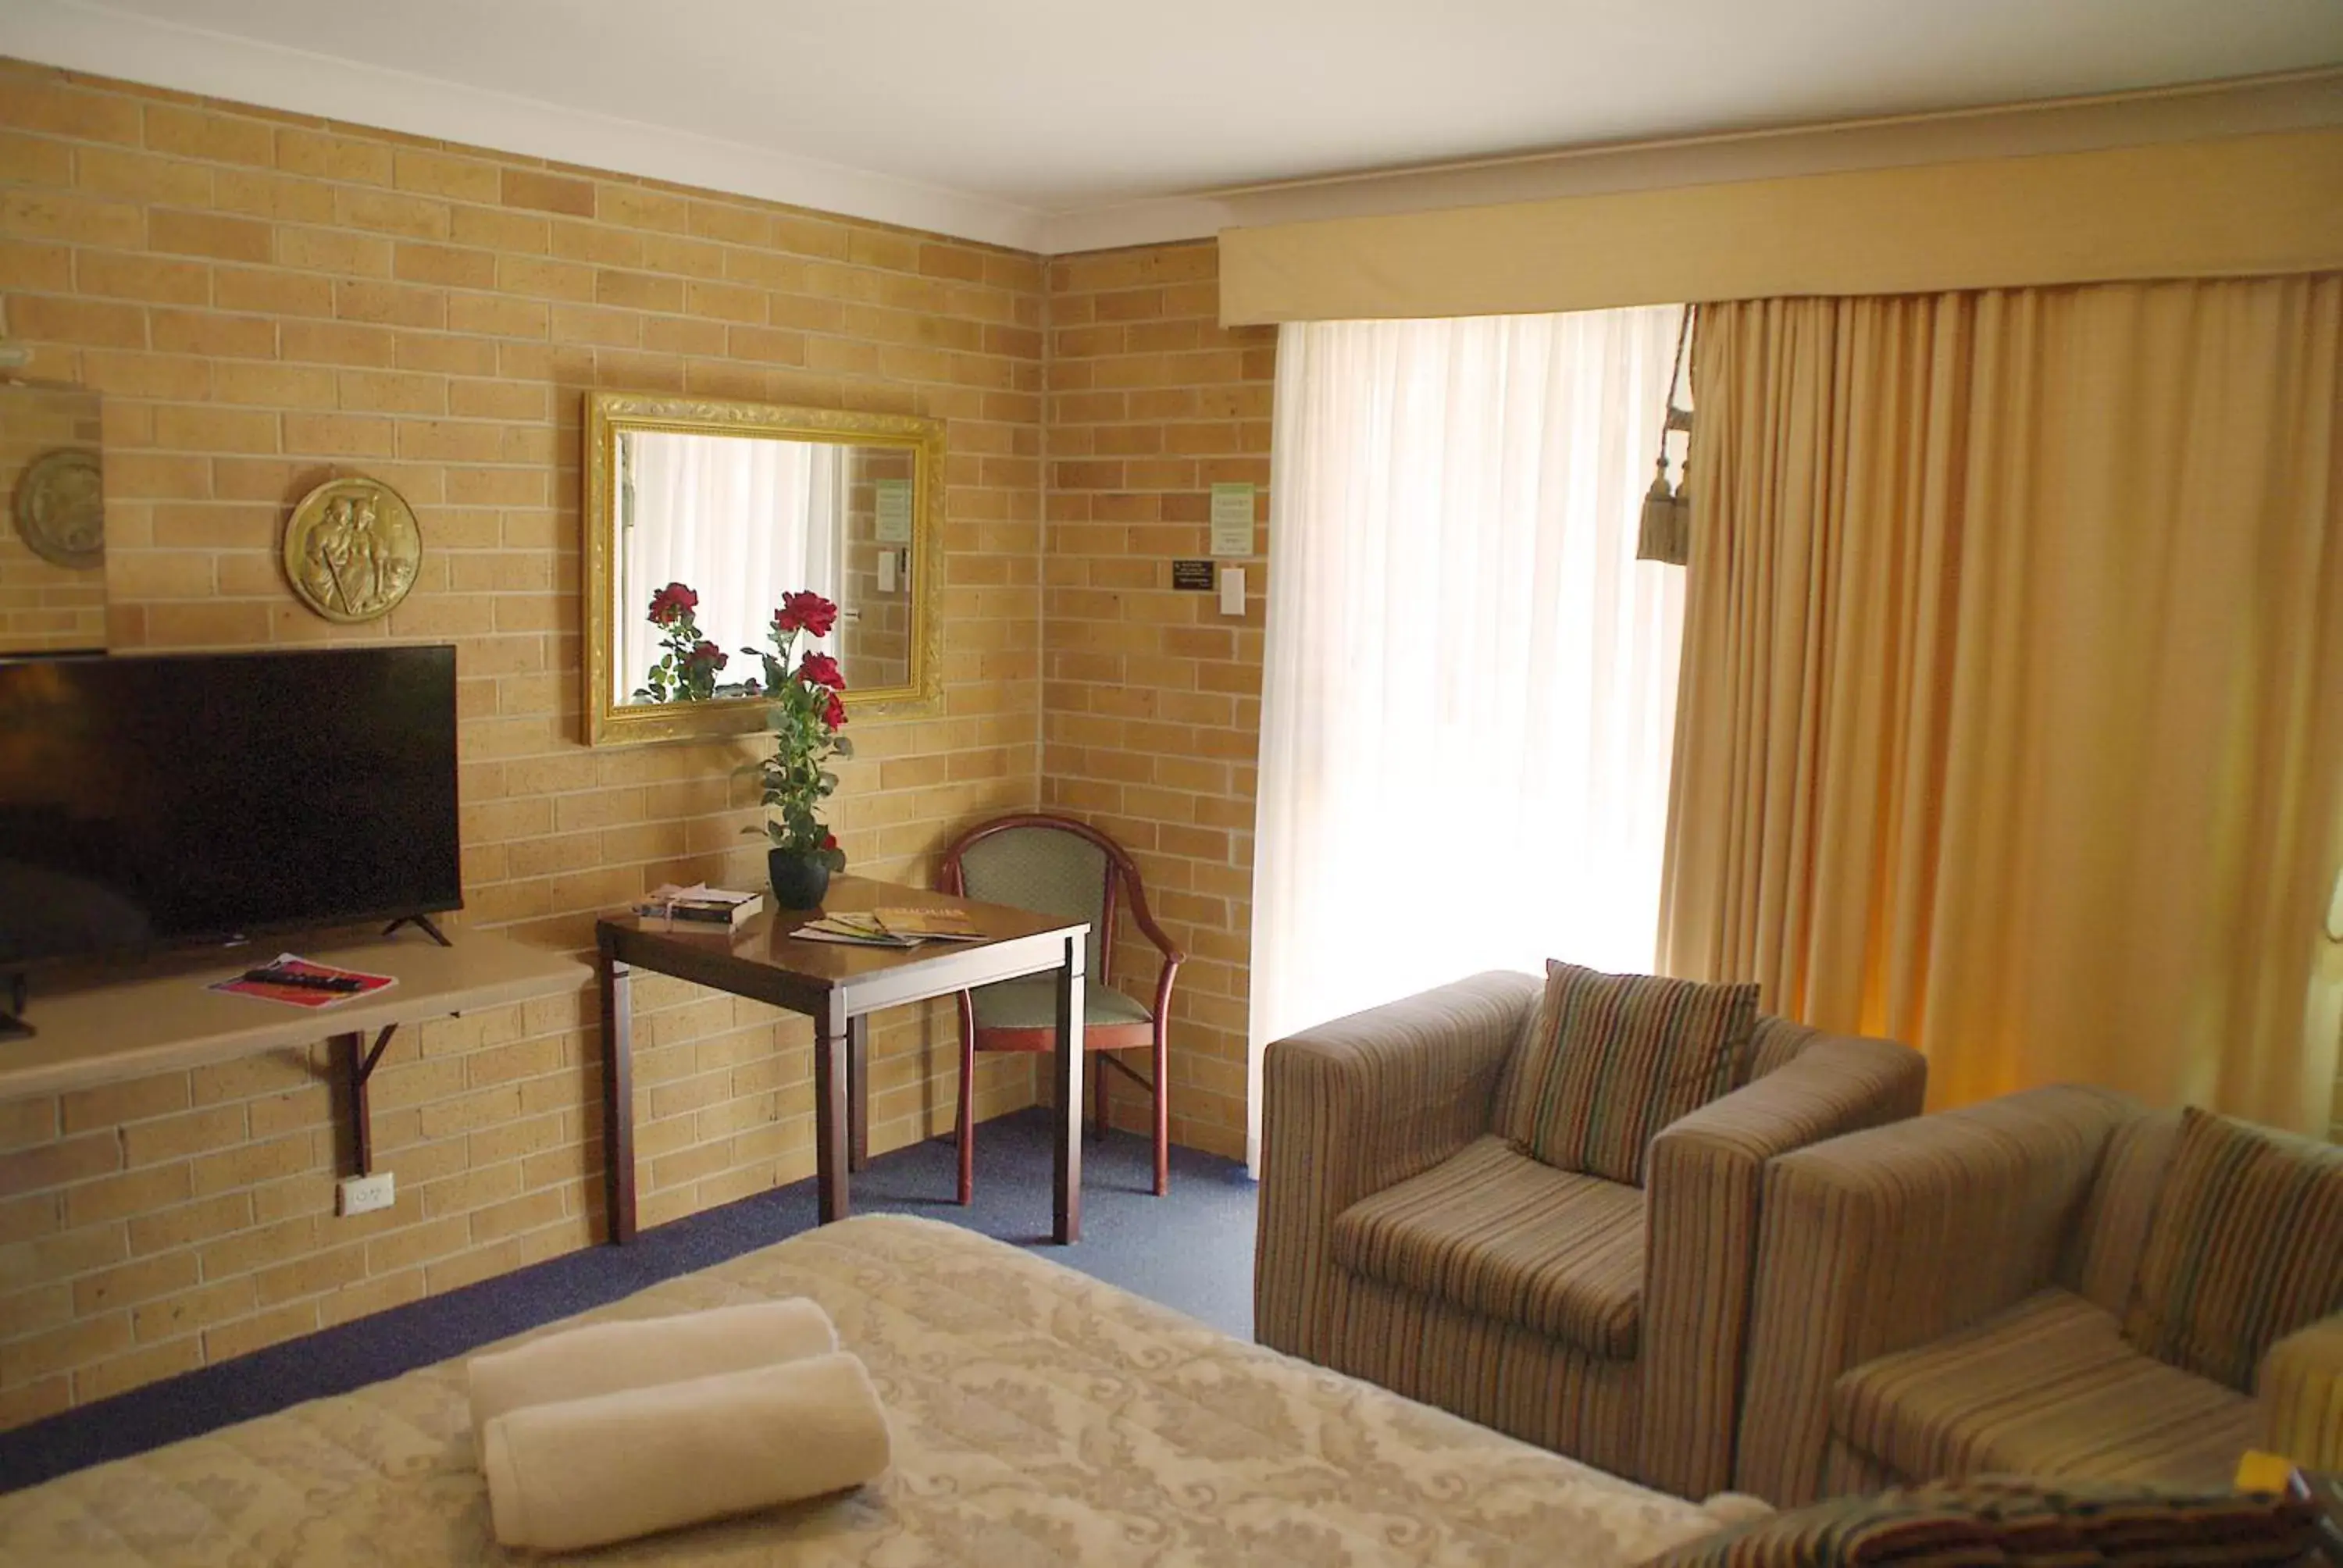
(150, 801)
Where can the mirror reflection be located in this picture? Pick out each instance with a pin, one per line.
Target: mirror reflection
(703, 515)
(715, 530)
(53, 543)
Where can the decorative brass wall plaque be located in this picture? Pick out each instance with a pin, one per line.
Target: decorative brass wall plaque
(61, 508)
(352, 549)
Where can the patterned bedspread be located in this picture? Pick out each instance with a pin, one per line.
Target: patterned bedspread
(1039, 1417)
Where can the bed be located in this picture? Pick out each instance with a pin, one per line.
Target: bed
(1040, 1416)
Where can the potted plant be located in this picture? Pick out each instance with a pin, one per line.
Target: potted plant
(806, 713)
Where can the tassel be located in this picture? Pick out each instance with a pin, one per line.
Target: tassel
(1656, 535)
(1664, 533)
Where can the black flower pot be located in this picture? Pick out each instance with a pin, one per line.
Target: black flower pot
(799, 880)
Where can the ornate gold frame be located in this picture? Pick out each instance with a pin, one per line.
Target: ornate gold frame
(608, 723)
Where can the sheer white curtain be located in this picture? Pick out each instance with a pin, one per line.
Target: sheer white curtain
(741, 522)
(1470, 692)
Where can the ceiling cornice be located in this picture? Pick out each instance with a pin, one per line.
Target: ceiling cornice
(78, 35)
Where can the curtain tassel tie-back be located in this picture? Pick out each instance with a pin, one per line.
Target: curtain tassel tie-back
(1664, 532)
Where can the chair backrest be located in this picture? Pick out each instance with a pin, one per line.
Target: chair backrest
(2102, 1256)
(1053, 865)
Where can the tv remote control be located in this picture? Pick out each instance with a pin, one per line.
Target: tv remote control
(269, 974)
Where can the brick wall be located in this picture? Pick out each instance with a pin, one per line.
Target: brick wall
(1151, 698)
(265, 300)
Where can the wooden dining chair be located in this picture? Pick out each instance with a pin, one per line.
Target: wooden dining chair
(1061, 867)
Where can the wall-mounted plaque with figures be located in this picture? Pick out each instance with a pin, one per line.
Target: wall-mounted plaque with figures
(352, 549)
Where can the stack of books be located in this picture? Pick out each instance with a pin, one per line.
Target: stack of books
(698, 905)
(892, 927)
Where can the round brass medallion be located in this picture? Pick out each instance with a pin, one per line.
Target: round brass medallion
(352, 549)
(61, 508)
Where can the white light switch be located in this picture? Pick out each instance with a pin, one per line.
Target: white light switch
(887, 572)
(1232, 590)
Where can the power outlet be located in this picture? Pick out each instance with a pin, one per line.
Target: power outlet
(364, 1194)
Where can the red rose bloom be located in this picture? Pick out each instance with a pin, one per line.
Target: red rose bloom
(805, 612)
(829, 841)
(820, 669)
(671, 603)
(833, 712)
(708, 654)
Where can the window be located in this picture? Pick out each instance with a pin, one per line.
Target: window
(1469, 693)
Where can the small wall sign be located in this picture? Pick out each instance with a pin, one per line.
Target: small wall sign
(893, 499)
(1192, 576)
(1232, 534)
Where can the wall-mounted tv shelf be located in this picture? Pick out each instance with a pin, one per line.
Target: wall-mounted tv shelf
(170, 1022)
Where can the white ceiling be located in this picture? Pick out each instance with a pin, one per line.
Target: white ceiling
(1004, 120)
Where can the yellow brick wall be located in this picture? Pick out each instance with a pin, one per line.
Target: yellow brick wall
(1150, 698)
(265, 300)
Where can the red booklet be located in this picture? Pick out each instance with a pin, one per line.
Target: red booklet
(298, 983)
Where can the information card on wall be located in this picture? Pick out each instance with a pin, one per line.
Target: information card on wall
(1232, 532)
(893, 497)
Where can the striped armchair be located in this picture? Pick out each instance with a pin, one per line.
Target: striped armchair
(1946, 1298)
(1608, 1327)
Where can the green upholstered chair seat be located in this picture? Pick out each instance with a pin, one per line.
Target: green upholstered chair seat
(1033, 1003)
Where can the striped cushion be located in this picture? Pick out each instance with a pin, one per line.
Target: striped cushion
(2047, 1388)
(2023, 1522)
(2246, 1246)
(1498, 1234)
(1613, 1059)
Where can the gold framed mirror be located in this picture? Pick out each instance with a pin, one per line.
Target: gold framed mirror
(738, 504)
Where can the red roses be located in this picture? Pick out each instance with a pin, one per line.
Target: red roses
(821, 670)
(685, 670)
(805, 612)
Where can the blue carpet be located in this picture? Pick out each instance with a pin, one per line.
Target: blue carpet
(1192, 1250)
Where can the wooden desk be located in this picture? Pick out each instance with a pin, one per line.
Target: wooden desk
(838, 986)
(170, 1021)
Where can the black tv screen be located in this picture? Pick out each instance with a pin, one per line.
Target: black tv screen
(154, 800)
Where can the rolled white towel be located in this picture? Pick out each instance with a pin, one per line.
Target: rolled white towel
(607, 1358)
(587, 1471)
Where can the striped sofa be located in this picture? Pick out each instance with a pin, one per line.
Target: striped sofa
(1402, 1243)
(1947, 1298)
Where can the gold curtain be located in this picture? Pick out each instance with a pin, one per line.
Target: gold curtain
(2011, 720)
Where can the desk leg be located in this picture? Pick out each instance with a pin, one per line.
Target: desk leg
(618, 1101)
(831, 1157)
(857, 1092)
(1066, 1191)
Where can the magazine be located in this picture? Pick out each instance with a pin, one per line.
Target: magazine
(297, 981)
(930, 925)
(854, 931)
